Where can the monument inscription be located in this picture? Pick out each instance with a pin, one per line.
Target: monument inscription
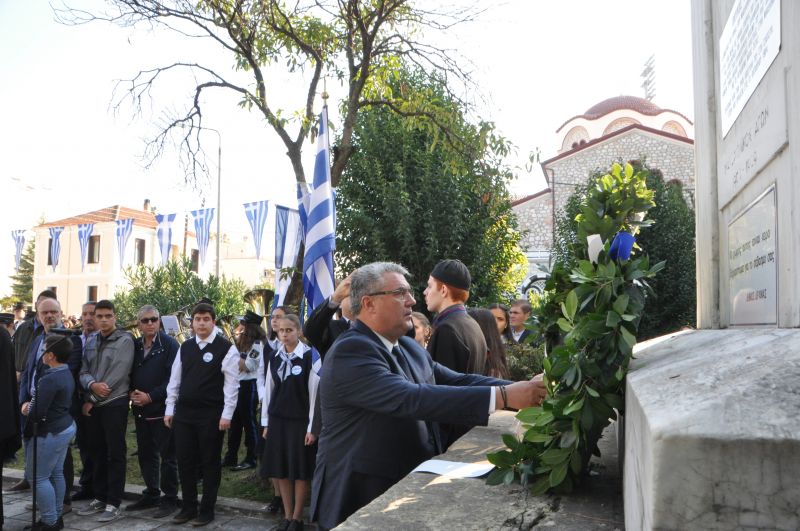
(749, 43)
(752, 271)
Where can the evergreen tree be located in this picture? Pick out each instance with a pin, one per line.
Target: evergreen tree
(22, 286)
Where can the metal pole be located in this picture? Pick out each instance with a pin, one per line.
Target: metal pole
(219, 194)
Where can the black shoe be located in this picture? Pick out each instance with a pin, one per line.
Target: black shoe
(165, 508)
(244, 465)
(41, 526)
(83, 494)
(295, 525)
(202, 519)
(19, 486)
(283, 525)
(145, 502)
(229, 461)
(184, 516)
(276, 505)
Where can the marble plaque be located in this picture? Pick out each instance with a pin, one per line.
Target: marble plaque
(759, 133)
(749, 43)
(752, 259)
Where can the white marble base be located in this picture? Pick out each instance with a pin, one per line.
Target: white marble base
(712, 431)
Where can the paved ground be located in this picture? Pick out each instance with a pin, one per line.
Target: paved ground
(227, 517)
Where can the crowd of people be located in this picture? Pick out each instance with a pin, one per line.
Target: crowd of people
(350, 402)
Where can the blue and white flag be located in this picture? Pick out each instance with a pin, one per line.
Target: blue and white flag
(19, 243)
(303, 197)
(84, 233)
(257, 217)
(55, 245)
(320, 237)
(164, 235)
(202, 228)
(124, 230)
(288, 235)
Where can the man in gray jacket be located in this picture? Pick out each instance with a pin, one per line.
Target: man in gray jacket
(105, 374)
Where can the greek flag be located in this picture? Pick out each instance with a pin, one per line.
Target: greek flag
(124, 230)
(84, 233)
(164, 235)
(19, 242)
(302, 206)
(257, 217)
(202, 228)
(288, 235)
(55, 244)
(320, 237)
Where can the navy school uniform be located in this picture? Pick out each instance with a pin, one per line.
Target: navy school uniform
(203, 388)
(244, 417)
(288, 413)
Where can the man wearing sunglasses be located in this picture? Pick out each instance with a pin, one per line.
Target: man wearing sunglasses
(154, 353)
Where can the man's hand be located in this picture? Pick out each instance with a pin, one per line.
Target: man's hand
(87, 409)
(264, 435)
(26, 408)
(168, 421)
(310, 438)
(526, 394)
(342, 290)
(224, 424)
(100, 389)
(140, 398)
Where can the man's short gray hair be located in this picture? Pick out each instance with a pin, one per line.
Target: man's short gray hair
(369, 279)
(147, 308)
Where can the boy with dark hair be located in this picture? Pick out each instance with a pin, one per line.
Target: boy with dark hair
(105, 375)
(201, 398)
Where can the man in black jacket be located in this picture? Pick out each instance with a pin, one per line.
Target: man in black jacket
(9, 406)
(153, 355)
(321, 329)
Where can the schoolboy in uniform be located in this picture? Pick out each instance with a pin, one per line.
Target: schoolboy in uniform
(201, 398)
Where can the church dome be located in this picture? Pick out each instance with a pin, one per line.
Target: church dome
(617, 103)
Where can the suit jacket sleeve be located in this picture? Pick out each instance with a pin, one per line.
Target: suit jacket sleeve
(446, 376)
(362, 378)
(316, 327)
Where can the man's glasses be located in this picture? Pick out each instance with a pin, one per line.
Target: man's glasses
(145, 320)
(399, 293)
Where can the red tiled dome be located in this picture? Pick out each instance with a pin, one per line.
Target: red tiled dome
(633, 103)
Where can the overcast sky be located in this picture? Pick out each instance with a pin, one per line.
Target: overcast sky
(63, 150)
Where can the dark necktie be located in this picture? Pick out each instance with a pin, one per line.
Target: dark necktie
(402, 362)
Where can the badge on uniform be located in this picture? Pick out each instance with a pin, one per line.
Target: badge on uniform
(254, 353)
(296, 370)
(207, 357)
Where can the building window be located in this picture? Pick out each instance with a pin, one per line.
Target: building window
(91, 293)
(54, 289)
(93, 251)
(50, 251)
(138, 255)
(195, 260)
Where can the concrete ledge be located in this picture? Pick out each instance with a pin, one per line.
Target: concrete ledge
(424, 501)
(712, 437)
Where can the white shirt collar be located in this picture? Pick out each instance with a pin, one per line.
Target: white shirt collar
(299, 350)
(386, 343)
(209, 339)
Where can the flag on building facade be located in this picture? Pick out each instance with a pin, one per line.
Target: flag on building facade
(202, 228)
(320, 237)
(84, 233)
(288, 235)
(55, 245)
(164, 235)
(124, 231)
(257, 217)
(19, 243)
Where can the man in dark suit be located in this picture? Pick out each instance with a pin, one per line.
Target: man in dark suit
(382, 395)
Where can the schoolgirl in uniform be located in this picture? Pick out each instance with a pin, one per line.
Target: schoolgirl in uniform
(287, 414)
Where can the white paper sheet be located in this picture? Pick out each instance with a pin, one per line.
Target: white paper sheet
(454, 469)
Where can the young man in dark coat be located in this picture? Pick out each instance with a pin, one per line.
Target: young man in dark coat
(201, 398)
(457, 341)
(382, 395)
(153, 356)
